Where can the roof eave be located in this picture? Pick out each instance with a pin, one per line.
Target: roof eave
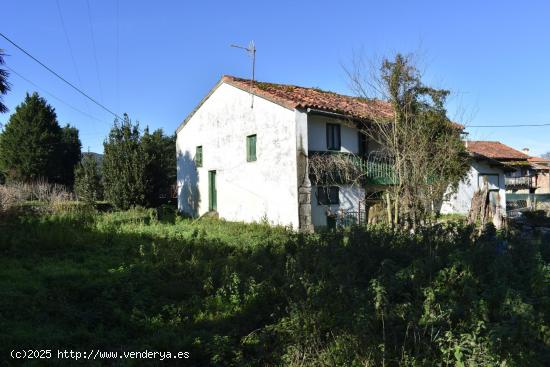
(492, 162)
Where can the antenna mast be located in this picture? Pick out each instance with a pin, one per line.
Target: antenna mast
(251, 49)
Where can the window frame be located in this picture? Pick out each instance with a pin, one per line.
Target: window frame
(329, 193)
(198, 156)
(362, 143)
(251, 148)
(336, 143)
(480, 176)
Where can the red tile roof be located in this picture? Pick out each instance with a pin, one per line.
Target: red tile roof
(292, 96)
(495, 150)
(296, 97)
(538, 160)
(539, 163)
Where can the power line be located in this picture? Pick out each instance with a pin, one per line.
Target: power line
(68, 41)
(94, 50)
(59, 76)
(70, 47)
(117, 65)
(512, 125)
(54, 96)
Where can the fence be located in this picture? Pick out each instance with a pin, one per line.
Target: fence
(520, 182)
(346, 218)
(518, 203)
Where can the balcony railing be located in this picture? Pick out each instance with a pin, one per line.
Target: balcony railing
(377, 172)
(372, 170)
(520, 182)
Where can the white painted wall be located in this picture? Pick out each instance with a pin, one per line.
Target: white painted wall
(246, 191)
(350, 197)
(460, 202)
(317, 134)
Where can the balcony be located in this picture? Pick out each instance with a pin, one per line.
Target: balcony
(520, 182)
(345, 167)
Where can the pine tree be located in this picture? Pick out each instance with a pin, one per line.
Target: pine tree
(33, 146)
(124, 165)
(30, 143)
(160, 169)
(88, 180)
(70, 155)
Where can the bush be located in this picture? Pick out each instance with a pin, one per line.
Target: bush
(236, 294)
(88, 180)
(39, 196)
(537, 217)
(8, 198)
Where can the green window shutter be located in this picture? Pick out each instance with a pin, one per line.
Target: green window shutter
(198, 156)
(251, 148)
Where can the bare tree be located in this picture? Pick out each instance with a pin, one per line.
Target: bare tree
(424, 147)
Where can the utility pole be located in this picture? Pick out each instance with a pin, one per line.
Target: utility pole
(251, 50)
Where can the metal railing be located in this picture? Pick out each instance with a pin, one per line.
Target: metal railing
(346, 218)
(377, 169)
(520, 182)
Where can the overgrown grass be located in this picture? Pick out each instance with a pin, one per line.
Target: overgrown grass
(234, 294)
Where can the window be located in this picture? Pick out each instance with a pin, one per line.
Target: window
(333, 137)
(490, 179)
(198, 156)
(251, 148)
(363, 143)
(328, 195)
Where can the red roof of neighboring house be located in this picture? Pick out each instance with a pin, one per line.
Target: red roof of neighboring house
(495, 150)
(538, 160)
(292, 96)
(540, 163)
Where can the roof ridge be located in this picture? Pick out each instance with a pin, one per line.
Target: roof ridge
(316, 89)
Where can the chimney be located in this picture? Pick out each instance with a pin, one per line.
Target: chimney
(525, 150)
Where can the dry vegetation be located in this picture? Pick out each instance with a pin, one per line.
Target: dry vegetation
(41, 194)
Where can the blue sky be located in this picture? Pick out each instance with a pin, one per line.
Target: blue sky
(493, 55)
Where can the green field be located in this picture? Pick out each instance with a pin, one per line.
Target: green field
(234, 294)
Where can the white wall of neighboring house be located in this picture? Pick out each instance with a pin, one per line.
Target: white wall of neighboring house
(460, 201)
(246, 191)
(349, 197)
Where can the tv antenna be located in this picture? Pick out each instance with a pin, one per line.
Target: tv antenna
(251, 50)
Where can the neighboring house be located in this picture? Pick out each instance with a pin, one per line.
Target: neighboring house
(484, 170)
(243, 152)
(542, 171)
(506, 170)
(524, 176)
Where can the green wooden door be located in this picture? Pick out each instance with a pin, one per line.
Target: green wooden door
(212, 194)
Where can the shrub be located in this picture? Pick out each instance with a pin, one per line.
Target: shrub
(88, 180)
(235, 294)
(8, 198)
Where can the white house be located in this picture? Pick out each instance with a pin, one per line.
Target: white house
(243, 152)
(245, 149)
(483, 171)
